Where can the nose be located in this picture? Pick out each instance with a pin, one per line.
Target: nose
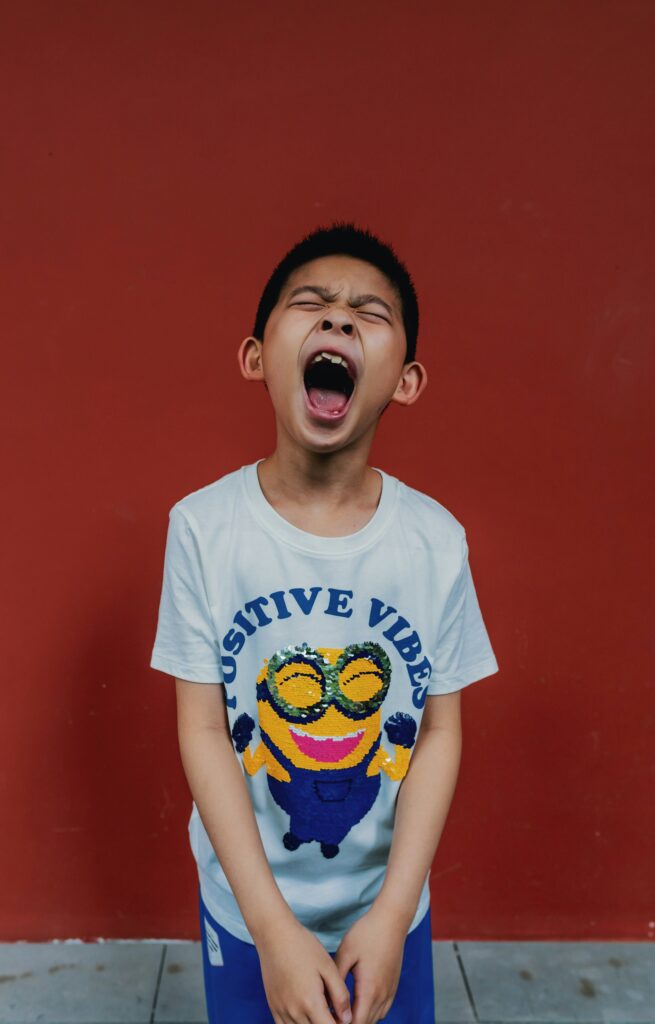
(339, 319)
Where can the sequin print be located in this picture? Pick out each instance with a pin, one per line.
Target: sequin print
(320, 714)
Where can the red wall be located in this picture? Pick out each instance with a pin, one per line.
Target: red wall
(157, 159)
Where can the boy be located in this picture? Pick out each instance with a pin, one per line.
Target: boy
(335, 606)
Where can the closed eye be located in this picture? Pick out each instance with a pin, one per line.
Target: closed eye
(363, 312)
(369, 312)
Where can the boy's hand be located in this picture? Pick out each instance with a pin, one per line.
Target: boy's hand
(297, 972)
(372, 949)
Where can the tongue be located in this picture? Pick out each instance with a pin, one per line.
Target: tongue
(324, 398)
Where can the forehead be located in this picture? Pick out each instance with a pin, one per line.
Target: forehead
(345, 275)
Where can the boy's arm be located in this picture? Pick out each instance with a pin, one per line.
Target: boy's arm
(220, 793)
(422, 806)
(298, 973)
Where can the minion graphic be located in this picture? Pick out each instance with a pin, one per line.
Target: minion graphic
(319, 717)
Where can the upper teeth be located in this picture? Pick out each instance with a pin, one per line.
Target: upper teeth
(311, 736)
(331, 357)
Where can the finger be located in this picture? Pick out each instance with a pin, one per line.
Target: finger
(282, 1017)
(338, 995)
(318, 1014)
(343, 962)
(377, 1013)
(363, 1005)
(297, 1018)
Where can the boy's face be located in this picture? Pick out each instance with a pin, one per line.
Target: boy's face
(333, 353)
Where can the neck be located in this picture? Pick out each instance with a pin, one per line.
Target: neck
(338, 478)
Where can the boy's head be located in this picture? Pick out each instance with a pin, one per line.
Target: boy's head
(344, 239)
(334, 338)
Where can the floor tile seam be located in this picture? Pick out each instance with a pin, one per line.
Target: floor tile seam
(465, 980)
(160, 972)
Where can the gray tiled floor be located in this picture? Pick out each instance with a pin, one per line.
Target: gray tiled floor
(561, 982)
(476, 983)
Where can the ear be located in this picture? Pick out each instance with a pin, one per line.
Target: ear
(412, 382)
(249, 357)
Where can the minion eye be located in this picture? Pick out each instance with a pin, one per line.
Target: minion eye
(299, 683)
(361, 679)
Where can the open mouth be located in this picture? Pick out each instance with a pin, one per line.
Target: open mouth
(328, 384)
(326, 748)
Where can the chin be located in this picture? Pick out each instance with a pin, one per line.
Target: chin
(324, 445)
(320, 440)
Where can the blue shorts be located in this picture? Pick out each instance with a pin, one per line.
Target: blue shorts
(234, 989)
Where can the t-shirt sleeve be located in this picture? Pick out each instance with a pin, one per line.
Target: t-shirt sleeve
(463, 653)
(186, 644)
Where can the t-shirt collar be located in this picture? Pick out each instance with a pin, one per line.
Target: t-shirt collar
(285, 531)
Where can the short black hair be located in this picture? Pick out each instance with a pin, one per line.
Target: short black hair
(343, 238)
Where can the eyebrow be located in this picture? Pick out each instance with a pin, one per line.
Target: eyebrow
(357, 300)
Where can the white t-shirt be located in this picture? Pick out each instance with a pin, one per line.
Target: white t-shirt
(327, 648)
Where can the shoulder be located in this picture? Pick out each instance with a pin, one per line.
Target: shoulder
(427, 516)
(210, 505)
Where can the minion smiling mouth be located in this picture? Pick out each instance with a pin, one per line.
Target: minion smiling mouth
(325, 748)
